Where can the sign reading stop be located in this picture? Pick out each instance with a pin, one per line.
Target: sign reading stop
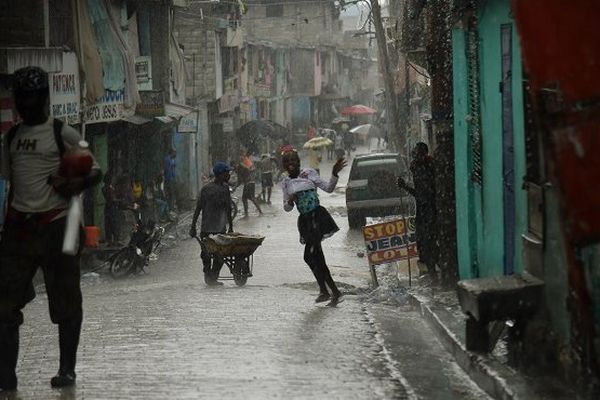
(390, 241)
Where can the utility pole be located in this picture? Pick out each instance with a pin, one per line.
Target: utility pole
(395, 131)
(396, 134)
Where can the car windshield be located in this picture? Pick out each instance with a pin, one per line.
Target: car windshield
(366, 169)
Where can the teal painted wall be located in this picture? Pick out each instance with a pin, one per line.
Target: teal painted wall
(520, 157)
(492, 15)
(480, 223)
(466, 241)
(490, 18)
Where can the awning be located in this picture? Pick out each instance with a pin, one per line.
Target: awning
(177, 111)
(136, 119)
(165, 119)
(13, 58)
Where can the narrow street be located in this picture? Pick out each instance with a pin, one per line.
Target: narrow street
(166, 335)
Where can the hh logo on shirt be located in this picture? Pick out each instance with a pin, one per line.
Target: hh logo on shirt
(26, 145)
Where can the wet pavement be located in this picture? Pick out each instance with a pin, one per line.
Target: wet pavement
(165, 335)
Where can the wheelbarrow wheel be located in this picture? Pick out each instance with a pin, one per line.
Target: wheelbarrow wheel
(240, 271)
(240, 280)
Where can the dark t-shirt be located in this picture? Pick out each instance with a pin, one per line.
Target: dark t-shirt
(215, 203)
(246, 175)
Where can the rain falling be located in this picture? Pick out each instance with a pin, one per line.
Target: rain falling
(299, 199)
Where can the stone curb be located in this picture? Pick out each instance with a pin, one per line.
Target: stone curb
(497, 380)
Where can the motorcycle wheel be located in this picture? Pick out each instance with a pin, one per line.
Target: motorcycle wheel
(122, 263)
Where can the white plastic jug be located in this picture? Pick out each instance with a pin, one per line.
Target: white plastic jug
(71, 239)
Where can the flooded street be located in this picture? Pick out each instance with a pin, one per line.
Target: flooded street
(166, 334)
(438, 161)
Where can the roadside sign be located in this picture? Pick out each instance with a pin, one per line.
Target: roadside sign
(390, 241)
(64, 91)
(107, 109)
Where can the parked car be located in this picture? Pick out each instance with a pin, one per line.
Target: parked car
(372, 189)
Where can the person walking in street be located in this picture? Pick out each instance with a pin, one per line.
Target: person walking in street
(423, 189)
(348, 142)
(170, 174)
(214, 202)
(35, 225)
(331, 148)
(338, 145)
(266, 173)
(246, 172)
(314, 222)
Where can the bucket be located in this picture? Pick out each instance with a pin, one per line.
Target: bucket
(92, 236)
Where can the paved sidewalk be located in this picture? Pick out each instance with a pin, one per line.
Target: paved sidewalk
(441, 310)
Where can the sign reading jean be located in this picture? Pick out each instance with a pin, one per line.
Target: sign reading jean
(390, 241)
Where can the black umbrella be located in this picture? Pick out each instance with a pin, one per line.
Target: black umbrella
(251, 133)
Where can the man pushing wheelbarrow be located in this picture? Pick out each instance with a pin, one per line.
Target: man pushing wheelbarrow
(215, 204)
(217, 248)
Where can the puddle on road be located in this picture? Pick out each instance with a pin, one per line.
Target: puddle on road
(393, 296)
(339, 211)
(346, 288)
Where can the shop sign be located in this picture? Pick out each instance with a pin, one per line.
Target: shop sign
(65, 99)
(107, 109)
(152, 104)
(262, 90)
(188, 123)
(390, 241)
(227, 124)
(143, 72)
(228, 102)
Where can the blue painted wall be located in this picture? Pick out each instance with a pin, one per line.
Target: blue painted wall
(480, 213)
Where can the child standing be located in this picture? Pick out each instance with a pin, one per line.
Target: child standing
(314, 223)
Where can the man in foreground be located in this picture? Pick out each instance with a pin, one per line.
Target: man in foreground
(35, 226)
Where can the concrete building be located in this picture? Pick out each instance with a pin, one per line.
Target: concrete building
(128, 102)
(298, 70)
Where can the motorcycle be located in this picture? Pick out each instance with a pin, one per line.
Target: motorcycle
(145, 240)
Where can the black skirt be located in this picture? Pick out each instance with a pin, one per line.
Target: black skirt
(316, 226)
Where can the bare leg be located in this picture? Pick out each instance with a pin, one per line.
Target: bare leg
(255, 205)
(245, 203)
